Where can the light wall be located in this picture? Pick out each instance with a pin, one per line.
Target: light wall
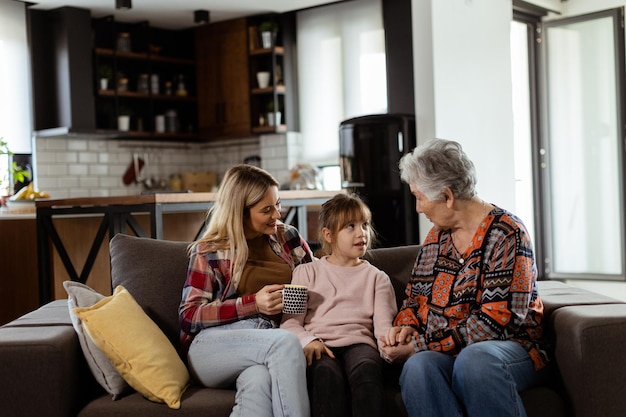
(463, 87)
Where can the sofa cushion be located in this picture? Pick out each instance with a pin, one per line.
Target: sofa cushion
(556, 294)
(154, 272)
(80, 295)
(136, 346)
(398, 263)
(195, 402)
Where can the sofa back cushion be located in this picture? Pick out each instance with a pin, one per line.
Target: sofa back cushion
(398, 263)
(154, 272)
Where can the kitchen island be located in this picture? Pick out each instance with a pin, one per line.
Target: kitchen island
(72, 231)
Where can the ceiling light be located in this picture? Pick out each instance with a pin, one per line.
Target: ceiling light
(123, 4)
(200, 17)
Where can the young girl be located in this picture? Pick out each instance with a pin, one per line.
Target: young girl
(350, 304)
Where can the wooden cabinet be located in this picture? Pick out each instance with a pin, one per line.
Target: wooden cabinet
(19, 285)
(222, 79)
(151, 76)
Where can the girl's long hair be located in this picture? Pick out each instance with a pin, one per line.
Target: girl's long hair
(242, 187)
(340, 211)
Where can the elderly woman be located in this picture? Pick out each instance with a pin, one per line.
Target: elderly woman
(469, 332)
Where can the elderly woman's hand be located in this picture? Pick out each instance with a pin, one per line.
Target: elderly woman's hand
(397, 335)
(399, 353)
(269, 299)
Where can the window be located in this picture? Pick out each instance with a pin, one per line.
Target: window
(15, 106)
(341, 72)
(583, 185)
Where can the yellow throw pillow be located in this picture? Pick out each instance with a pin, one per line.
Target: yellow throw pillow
(136, 346)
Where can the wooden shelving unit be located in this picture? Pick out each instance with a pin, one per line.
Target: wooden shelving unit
(169, 55)
(267, 104)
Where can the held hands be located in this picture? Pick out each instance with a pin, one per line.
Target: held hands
(397, 344)
(316, 349)
(269, 299)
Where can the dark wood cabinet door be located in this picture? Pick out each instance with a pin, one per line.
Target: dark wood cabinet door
(222, 80)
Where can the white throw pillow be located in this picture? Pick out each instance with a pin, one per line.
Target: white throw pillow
(80, 295)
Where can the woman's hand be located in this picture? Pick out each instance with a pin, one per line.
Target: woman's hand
(316, 349)
(397, 336)
(269, 299)
(399, 353)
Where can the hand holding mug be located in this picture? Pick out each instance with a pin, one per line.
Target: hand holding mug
(269, 299)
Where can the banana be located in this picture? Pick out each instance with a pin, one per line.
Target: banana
(29, 193)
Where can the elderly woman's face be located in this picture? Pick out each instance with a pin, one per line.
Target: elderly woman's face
(435, 211)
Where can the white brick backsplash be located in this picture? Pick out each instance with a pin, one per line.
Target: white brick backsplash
(68, 182)
(87, 157)
(78, 169)
(76, 145)
(99, 170)
(88, 167)
(57, 170)
(67, 157)
(54, 144)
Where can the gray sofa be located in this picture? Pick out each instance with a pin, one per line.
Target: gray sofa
(43, 371)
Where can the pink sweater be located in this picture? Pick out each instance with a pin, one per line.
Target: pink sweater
(347, 305)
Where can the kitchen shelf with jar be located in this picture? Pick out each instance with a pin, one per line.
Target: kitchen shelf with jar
(271, 57)
(267, 86)
(152, 80)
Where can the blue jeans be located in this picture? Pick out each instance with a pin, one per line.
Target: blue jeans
(267, 366)
(483, 380)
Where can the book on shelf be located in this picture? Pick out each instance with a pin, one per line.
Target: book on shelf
(254, 38)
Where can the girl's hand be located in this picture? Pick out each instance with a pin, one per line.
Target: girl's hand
(269, 299)
(316, 349)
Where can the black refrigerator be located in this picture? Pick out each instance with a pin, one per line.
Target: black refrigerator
(370, 148)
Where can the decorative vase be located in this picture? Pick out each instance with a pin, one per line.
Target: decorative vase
(123, 123)
(263, 78)
(266, 39)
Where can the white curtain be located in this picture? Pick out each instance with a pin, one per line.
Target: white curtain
(15, 90)
(341, 72)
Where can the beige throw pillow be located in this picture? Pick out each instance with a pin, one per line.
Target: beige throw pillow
(136, 346)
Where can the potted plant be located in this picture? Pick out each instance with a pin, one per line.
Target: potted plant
(104, 75)
(123, 118)
(14, 172)
(273, 114)
(268, 31)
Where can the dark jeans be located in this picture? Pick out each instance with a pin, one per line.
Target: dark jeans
(349, 385)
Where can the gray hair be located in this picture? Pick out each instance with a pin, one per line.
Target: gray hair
(439, 164)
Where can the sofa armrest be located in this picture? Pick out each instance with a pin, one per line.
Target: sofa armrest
(589, 351)
(42, 367)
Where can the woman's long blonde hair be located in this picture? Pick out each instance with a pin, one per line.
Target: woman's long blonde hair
(242, 187)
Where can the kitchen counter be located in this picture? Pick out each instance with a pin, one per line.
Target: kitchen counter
(142, 215)
(7, 215)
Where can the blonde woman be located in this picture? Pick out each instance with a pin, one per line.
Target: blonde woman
(232, 302)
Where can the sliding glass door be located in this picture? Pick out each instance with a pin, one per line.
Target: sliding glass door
(583, 148)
